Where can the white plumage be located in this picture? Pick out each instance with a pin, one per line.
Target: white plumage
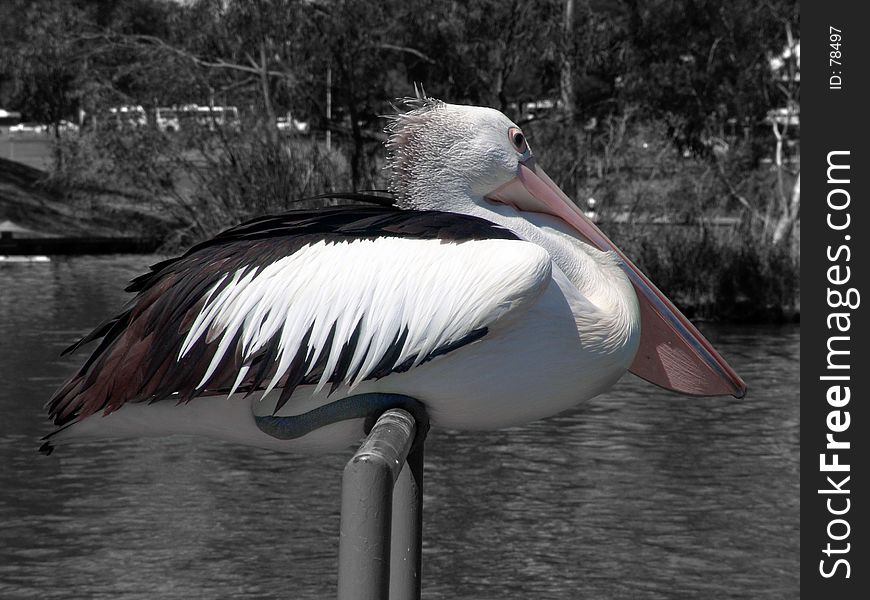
(439, 292)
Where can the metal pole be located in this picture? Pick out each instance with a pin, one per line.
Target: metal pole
(329, 108)
(366, 507)
(406, 560)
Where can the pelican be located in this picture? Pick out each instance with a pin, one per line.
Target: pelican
(484, 294)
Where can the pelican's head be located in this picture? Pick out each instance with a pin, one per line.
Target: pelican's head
(442, 156)
(460, 158)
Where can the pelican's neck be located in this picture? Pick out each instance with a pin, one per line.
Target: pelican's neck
(597, 275)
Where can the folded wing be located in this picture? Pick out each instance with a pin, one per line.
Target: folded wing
(330, 299)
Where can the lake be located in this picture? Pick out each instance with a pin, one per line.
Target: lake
(639, 493)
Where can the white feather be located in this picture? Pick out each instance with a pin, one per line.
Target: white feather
(439, 291)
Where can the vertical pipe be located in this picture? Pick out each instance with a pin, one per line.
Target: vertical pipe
(407, 534)
(364, 544)
(329, 108)
(366, 508)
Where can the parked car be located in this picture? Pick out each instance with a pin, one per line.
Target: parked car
(127, 116)
(67, 126)
(176, 118)
(28, 127)
(167, 119)
(291, 125)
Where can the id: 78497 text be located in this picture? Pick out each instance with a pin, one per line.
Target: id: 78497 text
(835, 58)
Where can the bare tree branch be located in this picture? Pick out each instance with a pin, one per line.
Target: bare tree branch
(150, 40)
(405, 49)
(734, 194)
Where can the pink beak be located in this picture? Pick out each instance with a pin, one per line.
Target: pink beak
(672, 354)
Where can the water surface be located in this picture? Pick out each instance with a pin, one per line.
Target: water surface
(637, 494)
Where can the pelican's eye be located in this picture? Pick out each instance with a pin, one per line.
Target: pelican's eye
(518, 140)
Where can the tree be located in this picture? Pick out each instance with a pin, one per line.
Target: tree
(700, 64)
(47, 73)
(784, 119)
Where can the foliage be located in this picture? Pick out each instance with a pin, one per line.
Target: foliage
(715, 272)
(205, 178)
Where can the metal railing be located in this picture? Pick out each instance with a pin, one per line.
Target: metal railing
(379, 553)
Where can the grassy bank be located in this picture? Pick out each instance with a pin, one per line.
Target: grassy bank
(33, 150)
(30, 198)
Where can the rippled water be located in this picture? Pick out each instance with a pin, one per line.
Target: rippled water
(638, 494)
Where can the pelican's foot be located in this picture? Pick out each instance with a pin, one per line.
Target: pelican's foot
(361, 406)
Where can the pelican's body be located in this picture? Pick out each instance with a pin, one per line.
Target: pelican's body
(479, 299)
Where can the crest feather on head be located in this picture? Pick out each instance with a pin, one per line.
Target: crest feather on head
(405, 134)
